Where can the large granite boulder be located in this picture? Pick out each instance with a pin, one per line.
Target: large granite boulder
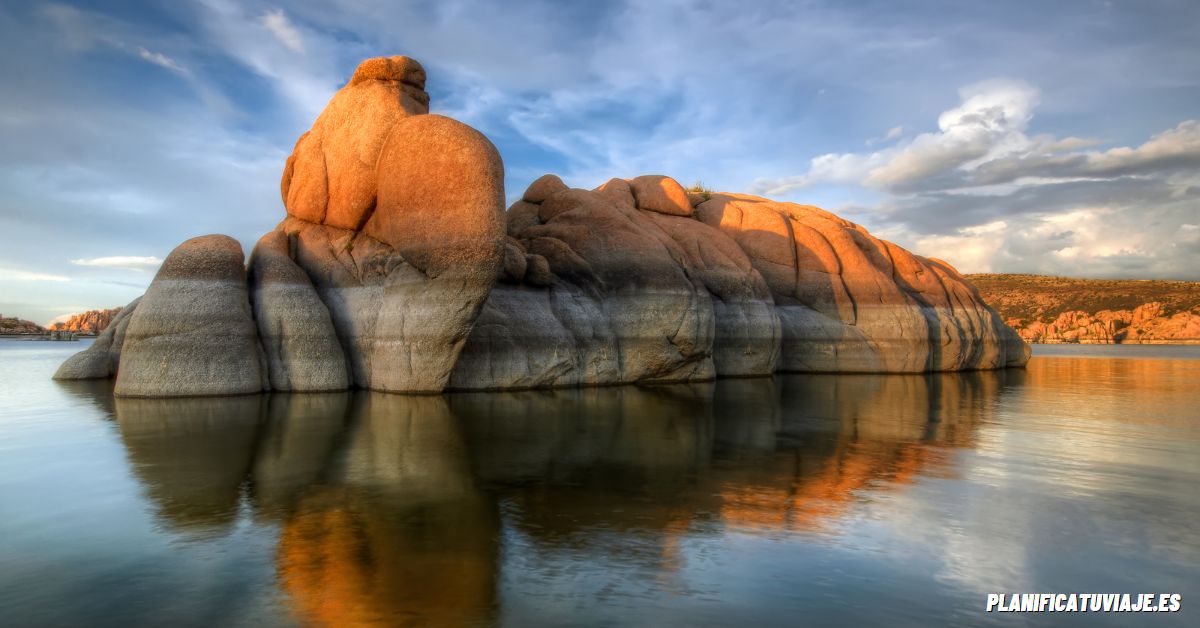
(405, 288)
(397, 218)
(393, 238)
(193, 332)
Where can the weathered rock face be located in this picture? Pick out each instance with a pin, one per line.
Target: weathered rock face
(850, 302)
(644, 287)
(407, 245)
(193, 332)
(631, 295)
(396, 269)
(393, 240)
(297, 334)
(330, 177)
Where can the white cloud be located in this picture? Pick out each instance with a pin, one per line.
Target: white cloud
(128, 262)
(305, 81)
(160, 59)
(986, 196)
(892, 134)
(989, 122)
(14, 274)
(278, 23)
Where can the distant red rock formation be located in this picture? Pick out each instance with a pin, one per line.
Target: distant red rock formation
(1145, 324)
(1055, 310)
(90, 322)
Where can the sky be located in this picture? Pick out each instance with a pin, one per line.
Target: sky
(1033, 137)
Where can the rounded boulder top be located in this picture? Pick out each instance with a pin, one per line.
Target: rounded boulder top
(441, 195)
(658, 193)
(397, 68)
(210, 257)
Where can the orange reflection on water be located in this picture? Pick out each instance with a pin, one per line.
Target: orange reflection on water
(389, 506)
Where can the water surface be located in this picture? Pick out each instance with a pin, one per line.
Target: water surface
(814, 500)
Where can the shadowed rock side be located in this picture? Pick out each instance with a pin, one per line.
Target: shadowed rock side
(595, 290)
(297, 334)
(193, 332)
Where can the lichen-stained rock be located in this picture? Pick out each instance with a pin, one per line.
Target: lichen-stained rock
(193, 332)
(300, 344)
(849, 302)
(633, 296)
(102, 358)
(330, 177)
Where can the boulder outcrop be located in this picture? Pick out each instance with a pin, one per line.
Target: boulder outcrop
(397, 269)
(193, 332)
(330, 177)
(1054, 310)
(617, 294)
(641, 291)
(404, 289)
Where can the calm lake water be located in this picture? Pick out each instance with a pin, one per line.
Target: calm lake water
(798, 500)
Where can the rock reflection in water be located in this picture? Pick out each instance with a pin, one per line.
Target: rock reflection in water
(398, 531)
(192, 455)
(393, 509)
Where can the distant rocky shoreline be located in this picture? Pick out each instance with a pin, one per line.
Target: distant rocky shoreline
(84, 325)
(398, 269)
(1064, 310)
(12, 326)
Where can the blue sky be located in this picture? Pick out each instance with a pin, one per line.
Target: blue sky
(1047, 137)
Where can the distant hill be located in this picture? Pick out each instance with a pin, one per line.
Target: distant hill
(1101, 311)
(10, 326)
(89, 322)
